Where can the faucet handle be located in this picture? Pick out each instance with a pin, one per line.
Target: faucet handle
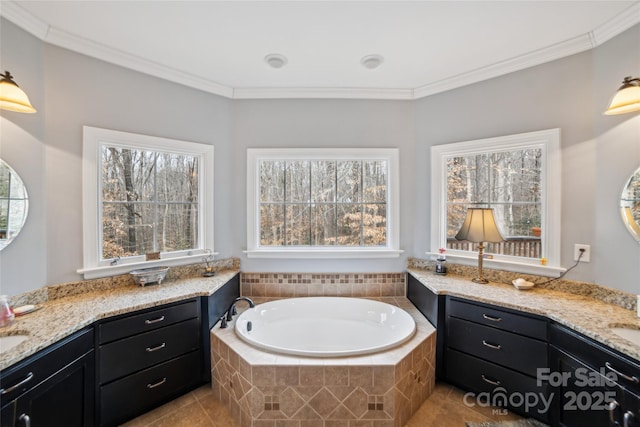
(223, 321)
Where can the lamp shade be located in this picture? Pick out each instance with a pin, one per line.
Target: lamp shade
(12, 97)
(479, 226)
(626, 99)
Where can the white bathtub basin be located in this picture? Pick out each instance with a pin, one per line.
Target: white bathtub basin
(325, 326)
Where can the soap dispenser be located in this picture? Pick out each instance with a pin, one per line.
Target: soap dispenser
(6, 314)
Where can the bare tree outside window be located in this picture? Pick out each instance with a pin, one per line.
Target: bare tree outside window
(510, 183)
(149, 202)
(323, 202)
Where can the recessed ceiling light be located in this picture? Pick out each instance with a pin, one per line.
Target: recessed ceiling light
(372, 61)
(275, 60)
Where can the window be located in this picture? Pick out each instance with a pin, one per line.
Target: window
(519, 177)
(322, 203)
(144, 194)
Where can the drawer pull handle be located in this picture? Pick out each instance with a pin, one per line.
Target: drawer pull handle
(492, 346)
(613, 405)
(158, 384)
(28, 378)
(152, 321)
(493, 319)
(156, 348)
(492, 382)
(626, 377)
(25, 419)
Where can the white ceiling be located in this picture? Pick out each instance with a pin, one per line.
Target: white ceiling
(428, 46)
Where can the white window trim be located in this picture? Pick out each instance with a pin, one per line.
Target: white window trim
(391, 250)
(549, 142)
(93, 140)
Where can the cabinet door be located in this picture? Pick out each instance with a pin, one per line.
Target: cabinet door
(584, 398)
(64, 399)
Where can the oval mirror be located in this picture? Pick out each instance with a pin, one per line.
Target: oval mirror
(630, 204)
(14, 204)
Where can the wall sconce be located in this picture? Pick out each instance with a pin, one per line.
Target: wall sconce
(627, 98)
(479, 226)
(12, 97)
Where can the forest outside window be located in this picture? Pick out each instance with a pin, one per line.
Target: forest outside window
(519, 177)
(144, 195)
(310, 203)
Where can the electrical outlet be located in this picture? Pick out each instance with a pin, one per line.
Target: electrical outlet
(586, 256)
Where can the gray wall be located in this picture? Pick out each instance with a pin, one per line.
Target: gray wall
(325, 124)
(72, 90)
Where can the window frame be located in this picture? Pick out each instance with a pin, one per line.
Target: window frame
(549, 143)
(255, 250)
(93, 141)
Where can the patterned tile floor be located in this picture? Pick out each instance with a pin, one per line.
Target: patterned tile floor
(444, 408)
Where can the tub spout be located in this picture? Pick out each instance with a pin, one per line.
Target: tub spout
(228, 316)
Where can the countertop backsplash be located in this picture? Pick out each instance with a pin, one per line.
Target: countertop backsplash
(53, 292)
(592, 290)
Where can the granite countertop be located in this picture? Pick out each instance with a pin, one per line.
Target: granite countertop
(591, 317)
(61, 317)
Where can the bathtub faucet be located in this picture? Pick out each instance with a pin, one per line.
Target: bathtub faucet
(228, 316)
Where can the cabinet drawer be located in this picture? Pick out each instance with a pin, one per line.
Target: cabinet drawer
(130, 396)
(482, 376)
(625, 370)
(497, 318)
(128, 355)
(504, 348)
(147, 321)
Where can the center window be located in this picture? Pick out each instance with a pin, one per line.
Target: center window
(327, 200)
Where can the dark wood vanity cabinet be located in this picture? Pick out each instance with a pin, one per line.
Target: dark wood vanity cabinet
(592, 384)
(54, 387)
(147, 358)
(432, 306)
(496, 352)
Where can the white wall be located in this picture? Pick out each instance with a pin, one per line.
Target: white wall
(72, 90)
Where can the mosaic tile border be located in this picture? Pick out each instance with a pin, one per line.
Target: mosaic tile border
(592, 290)
(288, 285)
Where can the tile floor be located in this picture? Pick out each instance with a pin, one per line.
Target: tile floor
(444, 408)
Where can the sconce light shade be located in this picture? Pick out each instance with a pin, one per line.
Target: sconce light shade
(479, 226)
(626, 99)
(12, 97)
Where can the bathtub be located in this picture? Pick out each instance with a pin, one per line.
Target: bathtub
(325, 326)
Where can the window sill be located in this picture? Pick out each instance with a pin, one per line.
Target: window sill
(321, 253)
(499, 264)
(124, 268)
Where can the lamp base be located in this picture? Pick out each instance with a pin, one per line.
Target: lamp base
(480, 280)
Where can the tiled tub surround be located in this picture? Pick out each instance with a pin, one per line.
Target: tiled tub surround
(264, 389)
(288, 285)
(69, 311)
(582, 313)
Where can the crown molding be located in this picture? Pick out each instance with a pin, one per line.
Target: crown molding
(557, 51)
(617, 24)
(323, 93)
(25, 20)
(105, 53)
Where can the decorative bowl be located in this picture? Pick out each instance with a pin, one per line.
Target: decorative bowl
(144, 276)
(523, 284)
